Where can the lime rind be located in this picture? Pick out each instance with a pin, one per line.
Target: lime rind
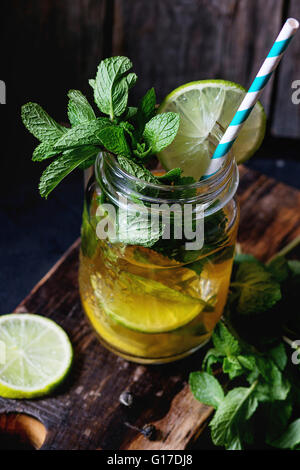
(200, 105)
(38, 355)
(162, 310)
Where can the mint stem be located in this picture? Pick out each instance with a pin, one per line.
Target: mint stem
(289, 247)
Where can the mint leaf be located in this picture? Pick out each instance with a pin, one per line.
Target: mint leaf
(89, 162)
(111, 85)
(131, 80)
(206, 388)
(86, 133)
(274, 385)
(235, 366)
(43, 151)
(294, 267)
(279, 268)
(188, 192)
(242, 257)
(140, 172)
(279, 356)
(224, 342)
(290, 438)
(254, 288)
(232, 367)
(62, 166)
(136, 170)
(137, 229)
(229, 421)
(114, 140)
(248, 362)
(161, 130)
(187, 180)
(130, 113)
(129, 130)
(92, 83)
(142, 151)
(146, 110)
(235, 444)
(172, 176)
(79, 109)
(212, 357)
(40, 124)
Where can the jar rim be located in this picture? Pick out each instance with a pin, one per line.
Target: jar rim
(221, 185)
(196, 185)
(202, 183)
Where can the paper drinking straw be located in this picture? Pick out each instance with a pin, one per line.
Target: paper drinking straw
(290, 27)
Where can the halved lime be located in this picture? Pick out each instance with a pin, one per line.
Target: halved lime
(36, 355)
(201, 104)
(144, 304)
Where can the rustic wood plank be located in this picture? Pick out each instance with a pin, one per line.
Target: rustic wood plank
(286, 119)
(85, 413)
(270, 215)
(177, 41)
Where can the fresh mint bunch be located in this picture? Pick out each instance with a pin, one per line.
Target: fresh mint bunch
(262, 381)
(260, 404)
(267, 294)
(134, 133)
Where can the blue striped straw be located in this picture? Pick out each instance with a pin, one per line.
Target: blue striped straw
(290, 27)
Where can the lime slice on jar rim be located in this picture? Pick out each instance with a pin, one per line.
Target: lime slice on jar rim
(200, 105)
(35, 355)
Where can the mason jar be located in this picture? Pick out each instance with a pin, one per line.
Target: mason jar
(151, 291)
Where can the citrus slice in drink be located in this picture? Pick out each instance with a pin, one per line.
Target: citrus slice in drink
(201, 104)
(36, 355)
(145, 305)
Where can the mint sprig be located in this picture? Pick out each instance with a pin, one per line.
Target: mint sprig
(259, 406)
(135, 133)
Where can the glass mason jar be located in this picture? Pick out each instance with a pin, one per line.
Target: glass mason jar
(153, 299)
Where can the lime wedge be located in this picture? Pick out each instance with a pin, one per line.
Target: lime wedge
(146, 305)
(200, 105)
(36, 355)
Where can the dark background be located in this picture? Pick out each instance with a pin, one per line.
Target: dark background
(50, 46)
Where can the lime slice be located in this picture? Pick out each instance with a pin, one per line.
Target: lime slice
(36, 355)
(145, 305)
(200, 105)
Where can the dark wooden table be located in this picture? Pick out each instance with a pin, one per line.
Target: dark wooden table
(85, 413)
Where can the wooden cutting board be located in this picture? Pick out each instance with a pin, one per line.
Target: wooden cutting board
(85, 413)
